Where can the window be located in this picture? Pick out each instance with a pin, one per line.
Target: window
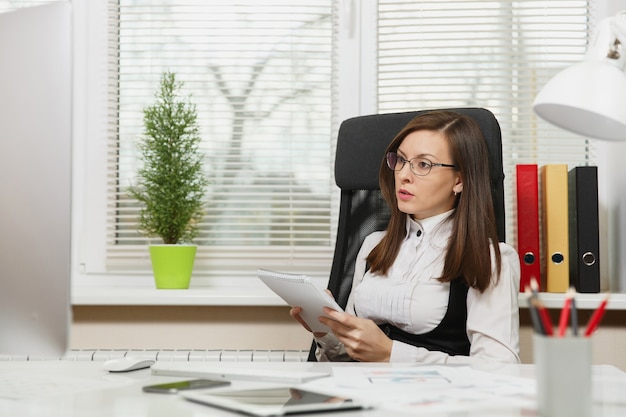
(8, 5)
(260, 76)
(272, 81)
(493, 54)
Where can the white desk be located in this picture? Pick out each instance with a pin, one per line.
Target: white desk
(119, 395)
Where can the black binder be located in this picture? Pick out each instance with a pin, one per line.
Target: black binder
(584, 241)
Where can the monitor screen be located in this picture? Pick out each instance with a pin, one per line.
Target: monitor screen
(35, 179)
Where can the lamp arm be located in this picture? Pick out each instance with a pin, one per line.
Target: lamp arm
(618, 28)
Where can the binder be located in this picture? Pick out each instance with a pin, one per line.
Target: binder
(555, 230)
(528, 246)
(584, 229)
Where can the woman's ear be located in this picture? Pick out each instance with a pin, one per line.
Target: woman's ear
(458, 187)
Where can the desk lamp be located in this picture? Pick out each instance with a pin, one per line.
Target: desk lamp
(589, 98)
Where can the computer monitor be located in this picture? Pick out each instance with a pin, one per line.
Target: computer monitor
(35, 179)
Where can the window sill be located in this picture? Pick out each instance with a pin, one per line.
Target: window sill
(233, 296)
(244, 292)
(140, 291)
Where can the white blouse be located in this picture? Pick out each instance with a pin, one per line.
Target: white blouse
(411, 298)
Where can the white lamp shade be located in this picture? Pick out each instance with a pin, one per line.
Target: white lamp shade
(588, 98)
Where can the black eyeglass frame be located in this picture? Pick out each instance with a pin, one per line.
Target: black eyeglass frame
(393, 156)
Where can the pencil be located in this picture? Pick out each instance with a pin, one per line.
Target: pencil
(594, 321)
(565, 312)
(544, 316)
(574, 316)
(534, 287)
(534, 314)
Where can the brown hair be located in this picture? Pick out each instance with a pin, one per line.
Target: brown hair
(474, 228)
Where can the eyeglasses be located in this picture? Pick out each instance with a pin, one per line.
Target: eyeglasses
(419, 166)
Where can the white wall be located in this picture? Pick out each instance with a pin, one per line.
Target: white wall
(612, 193)
(184, 327)
(267, 328)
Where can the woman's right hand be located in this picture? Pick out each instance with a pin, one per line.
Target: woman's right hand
(295, 313)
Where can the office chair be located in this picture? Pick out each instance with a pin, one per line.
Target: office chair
(361, 145)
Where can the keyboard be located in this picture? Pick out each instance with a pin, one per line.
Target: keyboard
(182, 355)
(20, 386)
(241, 372)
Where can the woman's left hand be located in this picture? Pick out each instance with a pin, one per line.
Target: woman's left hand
(362, 338)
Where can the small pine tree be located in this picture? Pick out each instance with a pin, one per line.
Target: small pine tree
(171, 183)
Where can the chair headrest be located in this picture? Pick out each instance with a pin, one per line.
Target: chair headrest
(362, 141)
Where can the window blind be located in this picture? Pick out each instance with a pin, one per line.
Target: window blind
(492, 54)
(9, 5)
(263, 79)
(260, 77)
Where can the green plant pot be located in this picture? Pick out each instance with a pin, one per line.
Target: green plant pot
(172, 265)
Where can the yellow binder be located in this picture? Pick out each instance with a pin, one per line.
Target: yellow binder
(555, 218)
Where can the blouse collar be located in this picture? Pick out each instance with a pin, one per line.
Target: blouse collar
(427, 226)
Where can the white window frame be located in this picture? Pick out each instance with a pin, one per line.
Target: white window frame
(90, 176)
(355, 95)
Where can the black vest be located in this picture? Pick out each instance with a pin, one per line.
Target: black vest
(450, 336)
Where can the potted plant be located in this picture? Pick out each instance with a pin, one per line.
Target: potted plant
(171, 183)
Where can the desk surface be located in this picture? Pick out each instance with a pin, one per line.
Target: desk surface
(84, 389)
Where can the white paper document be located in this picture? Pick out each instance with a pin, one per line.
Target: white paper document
(301, 291)
(423, 388)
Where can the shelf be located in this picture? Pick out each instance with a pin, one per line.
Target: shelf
(251, 293)
(583, 301)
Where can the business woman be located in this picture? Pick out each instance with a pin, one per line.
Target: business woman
(436, 286)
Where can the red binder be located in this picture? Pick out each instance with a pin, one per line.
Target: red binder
(528, 245)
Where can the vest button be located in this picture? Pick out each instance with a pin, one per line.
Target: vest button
(387, 330)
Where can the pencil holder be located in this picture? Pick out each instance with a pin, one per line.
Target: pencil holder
(563, 372)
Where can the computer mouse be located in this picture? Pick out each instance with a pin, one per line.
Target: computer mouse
(127, 364)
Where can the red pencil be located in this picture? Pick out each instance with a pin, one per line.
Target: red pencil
(594, 321)
(565, 312)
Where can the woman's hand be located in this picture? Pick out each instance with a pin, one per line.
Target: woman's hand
(362, 338)
(295, 313)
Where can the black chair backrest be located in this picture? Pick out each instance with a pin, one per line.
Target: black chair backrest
(361, 145)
